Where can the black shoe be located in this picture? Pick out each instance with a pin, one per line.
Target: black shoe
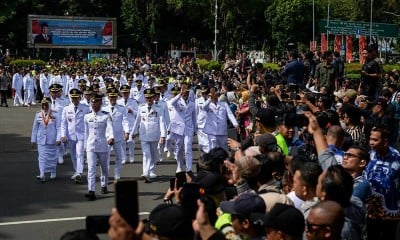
(104, 190)
(78, 179)
(90, 196)
(41, 179)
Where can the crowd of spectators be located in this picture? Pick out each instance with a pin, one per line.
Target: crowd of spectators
(313, 156)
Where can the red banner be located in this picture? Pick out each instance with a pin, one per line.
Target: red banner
(349, 48)
(313, 46)
(338, 43)
(323, 43)
(362, 44)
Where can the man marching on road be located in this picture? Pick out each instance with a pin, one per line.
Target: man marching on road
(98, 125)
(131, 108)
(150, 125)
(120, 127)
(182, 128)
(73, 132)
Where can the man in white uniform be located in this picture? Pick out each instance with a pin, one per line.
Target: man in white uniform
(131, 108)
(98, 125)
(182, 128)
(73, 132)
(119, 119)
(204, 145)
(17, 84)
(150, 126)
(216, 127)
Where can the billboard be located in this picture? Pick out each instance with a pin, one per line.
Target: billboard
(71, 32)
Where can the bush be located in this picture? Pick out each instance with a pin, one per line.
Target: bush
(100, 61)
(27, 63)
(209, 65)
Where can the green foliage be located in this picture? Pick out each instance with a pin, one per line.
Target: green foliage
(98, 61)
(273, 66)
(27, 63)
(209, 65)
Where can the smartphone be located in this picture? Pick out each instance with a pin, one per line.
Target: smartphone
(172, 183)
(97, 224)
(181, 179)
(190, 193)
(126, 200)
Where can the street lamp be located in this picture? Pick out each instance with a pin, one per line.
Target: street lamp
(156, 43)
(327, 27)
(313, 24)
(370, 23)
(215, 30)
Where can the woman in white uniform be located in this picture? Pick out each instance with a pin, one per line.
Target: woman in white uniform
(46, 134)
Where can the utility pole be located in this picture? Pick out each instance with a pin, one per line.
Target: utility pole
(215, 30)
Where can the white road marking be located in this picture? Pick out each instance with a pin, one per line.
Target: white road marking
(52, 220)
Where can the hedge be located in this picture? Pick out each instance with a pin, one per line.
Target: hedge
(27, 63)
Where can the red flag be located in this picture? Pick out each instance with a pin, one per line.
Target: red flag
(362, 44)
(323, 42)
(338, 43)
(349, 48)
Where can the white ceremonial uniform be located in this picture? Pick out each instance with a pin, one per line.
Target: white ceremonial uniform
(58, 105)
(73, 128)
(216, 126)
(45, 133)
(150, 125)
(71, 84)
(119, 120)
(17, 84)
(137, 94)
(131, 108)
(164, 107)
(44, 80)
(29, 84)
(98, 125)
(56, 79)
(201, 114)
(182, 128)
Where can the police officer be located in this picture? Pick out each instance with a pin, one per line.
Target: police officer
(131, 108)
(149, 124)
(87, 94)
(201, 115)
(56, 106)
(98, 125)
(137, 92)
(164, 107)
(119, 120)
(182, 128)
(218, 113)
(73, 132)
(46, 134)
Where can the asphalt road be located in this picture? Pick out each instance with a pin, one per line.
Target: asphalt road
(32, 210)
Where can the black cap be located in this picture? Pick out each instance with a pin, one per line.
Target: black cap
(266, 117)
(75, 93)
(125, 88)
(149, 92)
(96, 98)
(244, 205)
(169, 220)
(88, 90)
(112, 92)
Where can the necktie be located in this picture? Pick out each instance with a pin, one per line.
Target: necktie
(149, 108)
(112, 109)
(76, 108)
(126, 101)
